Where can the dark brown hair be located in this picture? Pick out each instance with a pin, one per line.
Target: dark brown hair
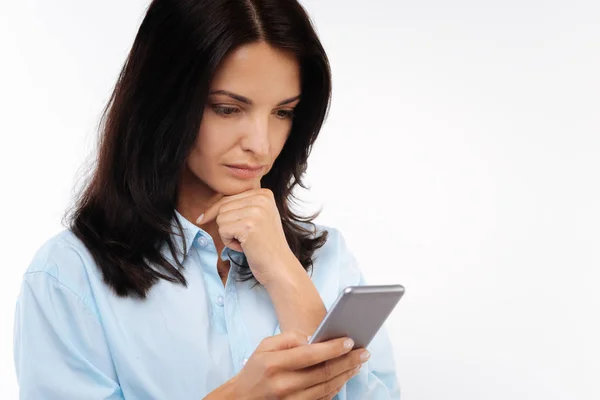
(125, 211)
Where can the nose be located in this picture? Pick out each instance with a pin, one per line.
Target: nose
(256, 138)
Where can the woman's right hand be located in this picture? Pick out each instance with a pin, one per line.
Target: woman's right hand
(285, 367)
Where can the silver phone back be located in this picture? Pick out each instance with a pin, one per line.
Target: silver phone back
(358, 313)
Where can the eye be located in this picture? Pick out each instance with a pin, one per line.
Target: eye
(225, 111)
(284, 114)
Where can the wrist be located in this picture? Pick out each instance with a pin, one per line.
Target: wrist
(285, 274)
(228, 390)
(296, 299)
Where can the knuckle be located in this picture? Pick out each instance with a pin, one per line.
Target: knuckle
(328, 387)
(264, 211)
(278, 388)
(350, 374)
(268, 200)
(327, 369)
(332, 394)
(336, 391)
(257, 211)
(270, 368)
(297, 336)
(264, 203)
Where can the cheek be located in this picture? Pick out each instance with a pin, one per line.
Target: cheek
(212, 136)
(278, 139)
(208, 147)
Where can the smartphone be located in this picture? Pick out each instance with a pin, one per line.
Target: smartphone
(358, 313)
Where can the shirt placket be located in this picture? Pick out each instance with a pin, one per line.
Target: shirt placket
(215, 290)
(238, 337)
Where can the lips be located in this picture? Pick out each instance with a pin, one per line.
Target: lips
(245, 173)
(246, 167)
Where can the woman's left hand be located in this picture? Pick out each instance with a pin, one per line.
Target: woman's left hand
(249, 222)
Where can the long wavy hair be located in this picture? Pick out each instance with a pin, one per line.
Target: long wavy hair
(124, 213)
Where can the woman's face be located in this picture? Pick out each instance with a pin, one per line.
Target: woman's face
(247, 117)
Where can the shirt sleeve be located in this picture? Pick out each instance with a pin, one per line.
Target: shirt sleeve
(60, 351)
(377, 378)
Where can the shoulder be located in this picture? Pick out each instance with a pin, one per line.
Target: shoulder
(336, 247)
(63, 261)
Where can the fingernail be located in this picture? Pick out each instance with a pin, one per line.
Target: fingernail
(364, 356)
(348, 343)
(357, 369)
(308, 338)
(200, 218)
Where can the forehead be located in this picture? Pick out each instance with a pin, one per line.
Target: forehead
(259, 72)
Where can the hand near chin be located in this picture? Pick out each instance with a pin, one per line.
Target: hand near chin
(249, 222)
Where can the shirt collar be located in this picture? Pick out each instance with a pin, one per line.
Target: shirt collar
(192, 232)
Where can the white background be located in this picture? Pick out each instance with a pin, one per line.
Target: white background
(461, 159)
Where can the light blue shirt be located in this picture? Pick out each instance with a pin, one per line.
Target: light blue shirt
(75, 339)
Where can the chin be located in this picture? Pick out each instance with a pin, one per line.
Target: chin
(230, 187)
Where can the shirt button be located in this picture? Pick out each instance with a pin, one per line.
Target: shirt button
(202, 241)
(220, 301)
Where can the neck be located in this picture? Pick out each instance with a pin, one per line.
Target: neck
(195, 197)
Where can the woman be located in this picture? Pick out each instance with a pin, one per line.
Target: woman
(184, 273)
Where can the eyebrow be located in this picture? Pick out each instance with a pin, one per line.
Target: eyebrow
(246, 100)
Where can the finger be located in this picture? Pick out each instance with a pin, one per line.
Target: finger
(332, 394)
(306, 356)
(259, 201)
(252, 210)
(326, 389)
(283, 341)
(214, 210)
(331, 387)
(235, 226)
(236, 232)
(327, 370)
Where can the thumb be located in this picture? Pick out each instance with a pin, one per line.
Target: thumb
(284, 341)
(211, 213)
